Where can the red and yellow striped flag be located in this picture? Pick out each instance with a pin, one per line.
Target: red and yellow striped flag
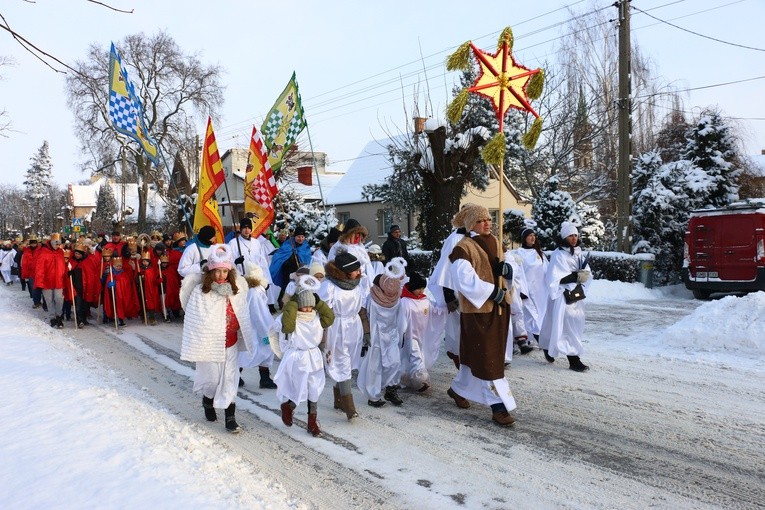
(259, 185)
(211, 176)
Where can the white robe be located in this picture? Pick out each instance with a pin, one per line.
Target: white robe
(563, 325)
(360, 252)
(534, 269)
(261, 322)
(440, 278)
(420, 345)
(380, 367)
(517, 324)
(343, 351)
(251, 249)
(189, 263)
(300, 375)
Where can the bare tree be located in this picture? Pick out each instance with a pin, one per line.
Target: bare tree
(177, 91)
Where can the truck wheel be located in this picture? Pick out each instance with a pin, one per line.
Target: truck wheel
(701, 294)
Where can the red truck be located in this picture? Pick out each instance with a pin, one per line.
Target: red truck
(725, 249)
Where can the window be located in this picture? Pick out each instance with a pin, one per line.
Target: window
(342, 217)
(384, 221)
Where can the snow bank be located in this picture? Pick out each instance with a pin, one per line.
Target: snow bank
(605, 291)
(729, 324)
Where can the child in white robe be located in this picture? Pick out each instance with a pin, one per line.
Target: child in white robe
(380, 364)
(261, 321)
(300, 376)
(420, 345)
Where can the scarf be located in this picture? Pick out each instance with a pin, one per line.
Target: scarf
(406, 293)
(344, 283)
(223, 289)
(306, 316)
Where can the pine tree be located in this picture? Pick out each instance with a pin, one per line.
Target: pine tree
(106, 210)
(711, 149)
(37, 182)
(294, 211)
(591, 231)
(549, 209)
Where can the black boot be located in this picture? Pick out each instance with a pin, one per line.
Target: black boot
(391, 395)
(265, 379)
(60, 322)
(575, 364)
(231, 424)
(549, 358)
(207, 404)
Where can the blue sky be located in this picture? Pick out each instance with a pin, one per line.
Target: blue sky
(355, 60)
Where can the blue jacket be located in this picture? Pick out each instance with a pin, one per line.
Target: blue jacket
(283, 255)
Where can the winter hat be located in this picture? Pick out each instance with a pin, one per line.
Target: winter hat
(474, 214)
(206, 234)
(458, 220)
(567, 228)
(346, 262)
(220, 256)
(315, 269)
(305, 298)
(374, 249)
(396, 268)
(526, 232)
(385, 291)
(253, 273)
(299, 231)
(334, 235)
(245, 223)
(350, 224)
(393, 228)
(416, 282)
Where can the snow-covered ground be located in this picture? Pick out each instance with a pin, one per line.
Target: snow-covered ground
(80, 432)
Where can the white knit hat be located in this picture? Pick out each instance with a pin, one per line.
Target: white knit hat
(567, 228)
(220, 256)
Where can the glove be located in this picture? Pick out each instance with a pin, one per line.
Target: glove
(583, 275)
(364, 350)
(202, 263)
(111, 285)
(239, 260)
(498, 295)
(503, 269)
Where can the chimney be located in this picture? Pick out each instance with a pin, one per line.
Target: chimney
(305, 175)
(419, 125)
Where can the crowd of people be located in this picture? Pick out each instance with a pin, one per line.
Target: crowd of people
(345, 310)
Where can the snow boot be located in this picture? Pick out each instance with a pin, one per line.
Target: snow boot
(207, 405)
(231, 424)
(347, 405)
(287, 410)
(461, 402)
(241, 381)
(526, 346)
(549, 358)
(391, 395)
(265, 379)
(500, 416)
(53, 322)
(59, 322)
(376, 403)
(313, 425)
(575, 364)
(338, 402)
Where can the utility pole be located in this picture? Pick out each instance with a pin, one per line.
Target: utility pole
(624, 103)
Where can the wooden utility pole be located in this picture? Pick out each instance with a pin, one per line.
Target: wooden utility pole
(624, 103)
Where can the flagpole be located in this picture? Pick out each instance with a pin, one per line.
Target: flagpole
(315, 169)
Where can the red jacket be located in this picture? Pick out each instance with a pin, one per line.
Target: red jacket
(150, 279)
(50, 270)
(28, 261)
(125, 291)
(88, 271)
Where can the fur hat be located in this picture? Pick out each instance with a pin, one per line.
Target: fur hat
(416, 281)
(567, 229)
(206, 234)
(458, 220)
(474, 214)
(220, 256)
(346, 262)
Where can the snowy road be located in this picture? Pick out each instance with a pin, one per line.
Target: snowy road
(640, 429)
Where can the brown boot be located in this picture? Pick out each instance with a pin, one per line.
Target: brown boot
(348, 406)
(287, 414)
(461, 402)
(338, 402)
(313, 425)
(503, 418)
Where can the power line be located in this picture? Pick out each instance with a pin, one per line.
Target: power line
(696, 33)
(701, 87)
